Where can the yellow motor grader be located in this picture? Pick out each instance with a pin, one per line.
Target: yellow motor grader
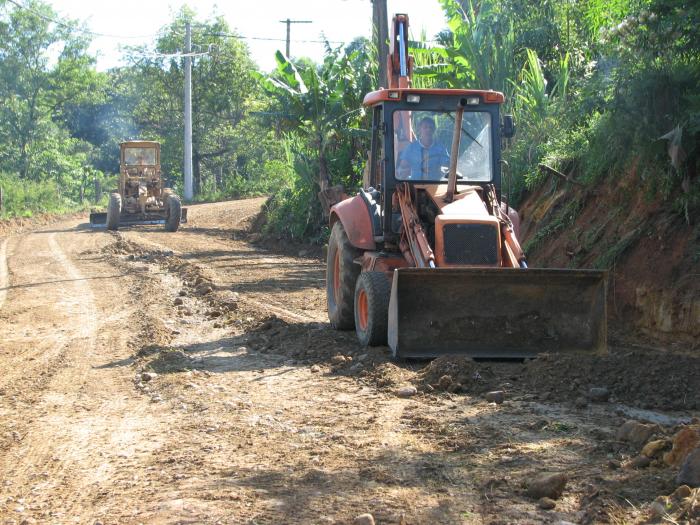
(141, 197)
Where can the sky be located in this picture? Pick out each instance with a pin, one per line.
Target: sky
(135, 22)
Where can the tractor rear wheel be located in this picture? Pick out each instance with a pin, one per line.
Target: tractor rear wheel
(372, 294)
(172, 223)
(341, 275)
(114, 209)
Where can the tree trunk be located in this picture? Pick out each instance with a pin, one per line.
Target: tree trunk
(219, 177)
(324, 180)
(196, 173)
(98, 190)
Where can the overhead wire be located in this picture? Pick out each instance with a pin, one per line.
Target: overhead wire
(242, 37)
(177, 55)
(107, 35)
(69, 26)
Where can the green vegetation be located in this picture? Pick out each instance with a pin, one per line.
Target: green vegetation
(319, 108)
(562, 219)
(594, 86)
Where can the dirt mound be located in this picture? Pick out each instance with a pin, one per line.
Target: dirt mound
(121, 246)
(170, 360)
(459, 375)
(387, 375)
(641, 378)
(302, 341)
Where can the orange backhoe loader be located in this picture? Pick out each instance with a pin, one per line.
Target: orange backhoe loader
(426, 256)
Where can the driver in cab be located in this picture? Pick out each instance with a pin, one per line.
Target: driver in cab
(423, 159)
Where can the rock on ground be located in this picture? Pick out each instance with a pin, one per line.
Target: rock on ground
(407, 391)
(636, 433)
(497, 396)
(599, 394)
(685, 440)
(654, 448)
(547, 486)
(690, 470)
(546, 503)
(637, 462)
(364, 519)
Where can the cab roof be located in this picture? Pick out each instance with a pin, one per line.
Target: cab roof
(141, 143)
(390, 95)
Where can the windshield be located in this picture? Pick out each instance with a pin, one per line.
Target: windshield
(423, 140)
(140, 156)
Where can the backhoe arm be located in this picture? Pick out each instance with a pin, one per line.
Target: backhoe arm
(414, 244)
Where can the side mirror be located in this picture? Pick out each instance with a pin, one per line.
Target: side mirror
(508, 127)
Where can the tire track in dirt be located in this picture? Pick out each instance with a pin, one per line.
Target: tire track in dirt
(32, 338)
(38, 438)
(4, 277)
(74, 424)
(86, 299)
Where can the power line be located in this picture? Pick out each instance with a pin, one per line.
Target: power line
(69, 26)
(241, 37)
(171, 55)
(219, 34)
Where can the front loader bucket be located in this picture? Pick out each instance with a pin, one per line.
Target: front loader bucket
(496, 312)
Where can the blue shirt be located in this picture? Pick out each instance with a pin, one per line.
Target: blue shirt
(425, 162)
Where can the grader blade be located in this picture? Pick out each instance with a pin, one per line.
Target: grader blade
(98, 220)
(496, 312)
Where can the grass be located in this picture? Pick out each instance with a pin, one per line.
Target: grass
(559, 222)
(608, 258)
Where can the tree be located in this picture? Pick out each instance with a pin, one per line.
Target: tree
(36, 88)
(323, 103)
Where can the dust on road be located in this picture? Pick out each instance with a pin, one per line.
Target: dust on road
(151, 377)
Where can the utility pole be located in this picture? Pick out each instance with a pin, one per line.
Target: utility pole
(380, 31)
(189, 194)
(289, 23)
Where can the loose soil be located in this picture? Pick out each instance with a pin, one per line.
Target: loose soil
(192, 377)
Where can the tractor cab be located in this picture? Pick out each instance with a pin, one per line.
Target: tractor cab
(416, 136)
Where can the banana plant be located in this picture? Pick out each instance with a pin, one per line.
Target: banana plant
(315, 98)
(481, 51)
(534, 101)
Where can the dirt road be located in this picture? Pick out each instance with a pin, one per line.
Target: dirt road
(149, 377)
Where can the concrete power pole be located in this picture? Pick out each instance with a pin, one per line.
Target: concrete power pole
(189, 194)
(380, 31)
(289, 23)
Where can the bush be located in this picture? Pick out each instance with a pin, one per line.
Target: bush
(294, 211)
(24, 198)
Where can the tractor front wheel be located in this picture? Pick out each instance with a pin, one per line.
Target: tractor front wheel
(114, 210)
(341, 275)
(172, 223)
(372, 294)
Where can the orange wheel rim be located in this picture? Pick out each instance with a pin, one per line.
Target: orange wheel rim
(336, 276)
(362, 310)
